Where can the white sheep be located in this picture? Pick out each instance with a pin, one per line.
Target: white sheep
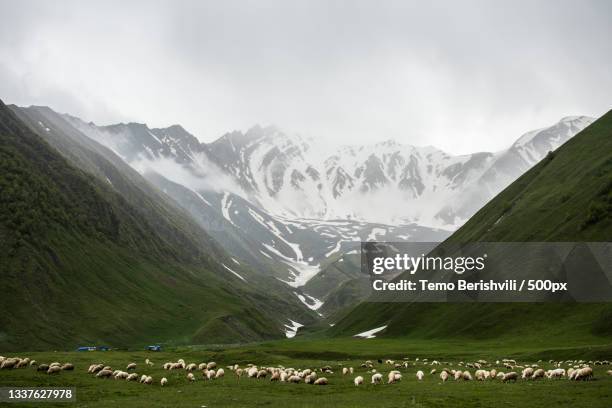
(148, 380)
(358, 380)
(377, 378)
(295, 379)
(539, 373)
(585, 373)
(55, 370)
(345, 371)
(419, 375)
(466, 376)
(458, 375)
(220, 373)
(131, 366)
(132, 377)
(444, 376)
(527, 373)
(321, 381)
(252, 372)
(191, 377)
(511, 376)
(211, 365)
(101, 374)
(163, 382)
(393, 377)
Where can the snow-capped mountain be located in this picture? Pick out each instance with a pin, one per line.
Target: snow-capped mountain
(387, 182)
(287, 206)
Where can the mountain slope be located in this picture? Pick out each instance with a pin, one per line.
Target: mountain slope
(293, 177)
(565, 197)
(79, 264)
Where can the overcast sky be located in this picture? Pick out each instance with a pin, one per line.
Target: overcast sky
(463, 76)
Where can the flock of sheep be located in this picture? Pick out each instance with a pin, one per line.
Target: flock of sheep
(482, 370)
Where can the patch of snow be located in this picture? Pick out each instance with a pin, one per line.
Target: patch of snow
(292, 329)
(370, 334)
(234, 272)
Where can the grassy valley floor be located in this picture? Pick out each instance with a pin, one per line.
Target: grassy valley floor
(341, 392)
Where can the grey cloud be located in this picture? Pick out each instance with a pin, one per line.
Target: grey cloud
(463, 76)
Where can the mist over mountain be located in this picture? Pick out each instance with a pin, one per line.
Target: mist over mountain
(292, 177)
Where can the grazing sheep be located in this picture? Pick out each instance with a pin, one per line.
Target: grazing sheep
(148, 362)
(163, 382)
(500, 375)
(466, 376)
(444, 376)
(393, 377)
(527, 373)
(458, 375)
(480, 375)
(191, 367)
(252, 372)
(239, 372)
(131, 366)
(345, 371)
(42, 367)
(284, 376)
(121, 375)
(377, 378)
(321, 381)
(142, 379)
(148, 380)
(585, 373)
(190, 377)
(493, 373)
(210, 374)
(420, 375)
(132, 377)
(295, 379)
(67, 367)
(262, 374)
(432, 372)
(102, 373)
(211, 365)
(275, 376)
(33, 363)
(220, 373)
(351, 370)
(556, 373)
(9, 363)
(167, 366)
(358, 380)
(511, 376)
(609, 372)
(539, 373)
(54, 370)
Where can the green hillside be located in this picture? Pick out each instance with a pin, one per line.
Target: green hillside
(565, 197)
(80, 265)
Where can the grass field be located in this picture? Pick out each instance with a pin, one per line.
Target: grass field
(245, 392)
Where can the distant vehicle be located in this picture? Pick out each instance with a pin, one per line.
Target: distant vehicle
(156, 347)
(86, 348)
(104, 348)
